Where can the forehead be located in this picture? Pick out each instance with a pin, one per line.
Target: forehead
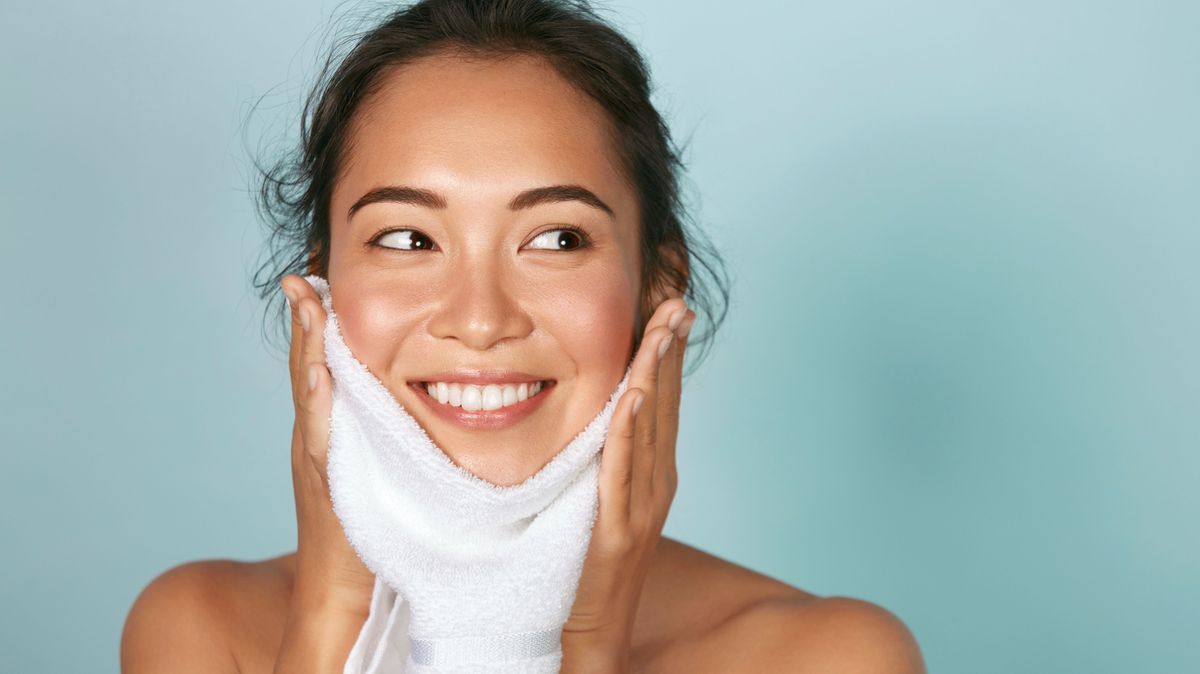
(480, 129)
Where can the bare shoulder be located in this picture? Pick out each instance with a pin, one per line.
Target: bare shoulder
(214, 615)
(754, 623)
(823, 634)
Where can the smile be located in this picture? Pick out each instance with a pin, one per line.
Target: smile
(483, 407)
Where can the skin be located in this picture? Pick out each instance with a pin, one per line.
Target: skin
(477, 138)
(485, 294)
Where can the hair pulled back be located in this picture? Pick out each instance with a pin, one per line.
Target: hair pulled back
(293, 193)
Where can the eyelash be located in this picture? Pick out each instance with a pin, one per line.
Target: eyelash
(585, 240)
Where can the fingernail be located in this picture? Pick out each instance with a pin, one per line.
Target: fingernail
(304, 319)
(676, 319)
(312, 377)
(637, 404)
(662, 348)
(687, 327)
(291, 301)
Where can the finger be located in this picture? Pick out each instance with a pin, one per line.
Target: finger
(647, 428)
(615, 464)
(670, 395)
(296, 337)
(302, 466)
(315, 419)
(647, 372)
(320, 402)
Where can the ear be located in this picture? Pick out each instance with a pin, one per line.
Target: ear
(664, 285)
(313, 266)
(672, 278)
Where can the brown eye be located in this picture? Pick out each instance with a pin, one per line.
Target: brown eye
(402, 239)
(562, 239)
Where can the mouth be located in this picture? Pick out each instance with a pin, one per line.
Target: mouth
(483, 407)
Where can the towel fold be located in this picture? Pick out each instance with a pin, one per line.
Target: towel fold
(481, 577)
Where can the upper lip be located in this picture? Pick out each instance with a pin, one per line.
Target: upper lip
(483, 376)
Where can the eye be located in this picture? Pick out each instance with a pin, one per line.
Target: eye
(404, 239)
(562, 241)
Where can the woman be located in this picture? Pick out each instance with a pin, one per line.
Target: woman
(488, 186)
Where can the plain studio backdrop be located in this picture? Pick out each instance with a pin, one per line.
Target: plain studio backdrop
(960, 376)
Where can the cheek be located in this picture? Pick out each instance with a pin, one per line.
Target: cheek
(587, 319)
(593, 322)
(374, 321)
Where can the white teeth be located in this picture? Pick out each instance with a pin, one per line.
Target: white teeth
(492, 397)
(473, 398)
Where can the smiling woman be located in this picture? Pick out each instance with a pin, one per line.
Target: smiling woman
(493, 201)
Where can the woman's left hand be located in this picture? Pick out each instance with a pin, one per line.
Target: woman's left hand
(637, 485)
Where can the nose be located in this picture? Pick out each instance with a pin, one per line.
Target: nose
(479, 309)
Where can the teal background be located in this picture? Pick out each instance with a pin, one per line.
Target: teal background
(960, 376)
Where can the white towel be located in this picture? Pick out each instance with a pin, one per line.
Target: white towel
(482, 577)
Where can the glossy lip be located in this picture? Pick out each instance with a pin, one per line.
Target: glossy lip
(482, 377)
(484, 419)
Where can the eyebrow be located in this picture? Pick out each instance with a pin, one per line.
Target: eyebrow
(527, 199)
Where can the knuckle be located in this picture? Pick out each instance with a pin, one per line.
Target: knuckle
(650, 435)
(671, 406)
(302, 413)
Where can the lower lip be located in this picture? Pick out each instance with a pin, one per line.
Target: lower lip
(484, 419)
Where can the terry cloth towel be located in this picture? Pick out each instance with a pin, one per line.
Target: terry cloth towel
(485, 575)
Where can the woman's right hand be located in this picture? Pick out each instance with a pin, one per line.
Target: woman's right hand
(331, 592)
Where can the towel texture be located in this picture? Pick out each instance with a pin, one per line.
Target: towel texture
(482, 577)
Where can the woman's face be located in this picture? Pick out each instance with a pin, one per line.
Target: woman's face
(473, 280)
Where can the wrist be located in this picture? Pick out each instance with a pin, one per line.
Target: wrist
(598, 665)
(328, 607)
(326, 589)
(590, 655)
(318, 638)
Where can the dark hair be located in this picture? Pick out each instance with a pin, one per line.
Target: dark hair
(293, 195)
